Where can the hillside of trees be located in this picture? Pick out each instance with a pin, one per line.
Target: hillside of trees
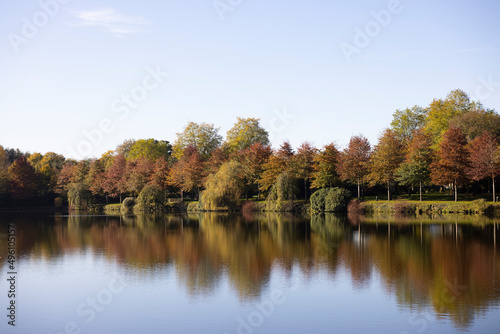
(452, 145)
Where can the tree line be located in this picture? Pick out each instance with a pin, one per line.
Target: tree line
(451, 143)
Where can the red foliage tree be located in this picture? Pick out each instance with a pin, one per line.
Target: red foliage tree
(114, 184)
(22, 179)
(484, 154)
(354, 161)
(452, 160)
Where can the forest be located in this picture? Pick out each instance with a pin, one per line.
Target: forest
(450, 146)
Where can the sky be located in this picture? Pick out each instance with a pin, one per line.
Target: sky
(80, 77)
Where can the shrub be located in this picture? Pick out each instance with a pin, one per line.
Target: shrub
(150, 199)
(283, 189)
(224, 188)
(127, 205)
(330, 199)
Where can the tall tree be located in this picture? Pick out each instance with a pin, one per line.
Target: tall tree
(96, 178)
(325, 165)
(475, 122)
(441, 112)
(187, 174)
(22, 179)
(416, 167)
(354, 161)
(485, 159)
(385, 160)
(303, 164)
(114, 184)
(137, 174)
(161, 171)
(452, 160)
(252, 160)
(204, 137)
(244, 133)
(280, 161)
(125, 148)
(406, 121)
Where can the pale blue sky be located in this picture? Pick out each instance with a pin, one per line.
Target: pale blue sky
(263, 57)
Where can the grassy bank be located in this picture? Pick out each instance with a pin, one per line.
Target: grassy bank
(479, 206)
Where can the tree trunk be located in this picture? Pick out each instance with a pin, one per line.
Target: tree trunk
(358, 190)
(456, 193)
(182, 195)
(120, 197)
(493, 181)
(420, 191)
(388, 191)
(305, 188)
(258, 191)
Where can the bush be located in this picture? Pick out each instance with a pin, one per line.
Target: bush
(150, 199)
(330, 199)
(128, 205)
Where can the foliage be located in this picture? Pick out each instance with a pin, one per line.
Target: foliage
(125, 148)
(79, 197)
(452, 161)
(330, 199)
(416, 167)
(283, 190)
(114, 184)
(188, 173)
(223, 189)
(4, 171)
(354, 160)
(279, 162)
(405, 122)
(22, 179)
(484, 156)
(475, 122)
(325, 165)
(385, 160)
(245, 133)
(252, 161)
(150, 149)
(303, 163)
(150, 199)
(202, 136)
(137, 174)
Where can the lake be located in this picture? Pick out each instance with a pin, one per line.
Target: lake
(249, 273)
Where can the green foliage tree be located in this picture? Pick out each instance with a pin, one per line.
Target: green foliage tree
(406, 121)
(385, 160)
(452, 160)
(224, 188)
(245, 133)
(441, 112)
(325, 165)
(150, 149)
(125, 148)
(282, 190)
(204, 137)
(79, 196)
(150, 199)
(416, 167)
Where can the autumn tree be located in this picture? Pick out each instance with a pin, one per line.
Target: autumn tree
(137, 174)
(406, 121)
(452, 160)
(354, 161)
(96, 177)
(4, 171)
(114, 184)
(125, 148)
(385, 160)
(475, 122)
(244, 133)
(280, 161)
(150, 149)
(204, 137)
(416, 167)
(252, 160)
(159, 177)
(441, 112)
(484, 159)
(187, 173)
(325, 164)
(216, 159)
(303, 164)
(224, 188)
(22, 179)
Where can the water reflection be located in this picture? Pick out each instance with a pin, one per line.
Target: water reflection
(450, 266)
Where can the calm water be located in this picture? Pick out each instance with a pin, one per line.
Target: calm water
(216, 273)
